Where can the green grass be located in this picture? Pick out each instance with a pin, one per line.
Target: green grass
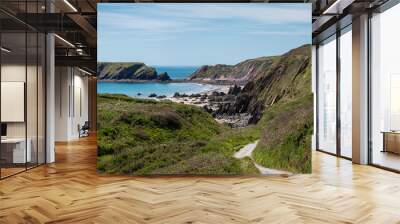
(286, 140)
(149, 137)
(160, 137)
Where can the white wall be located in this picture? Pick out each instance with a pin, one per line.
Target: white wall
(62, 82)
(9, 73)
(71, 102)
(80, 110)
(17, 73)
(33, 126)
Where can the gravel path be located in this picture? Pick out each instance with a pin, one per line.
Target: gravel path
(247, 151)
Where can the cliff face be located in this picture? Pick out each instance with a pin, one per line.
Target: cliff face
(279, 101)
(128, 71)
(284, 78)
(239, 73)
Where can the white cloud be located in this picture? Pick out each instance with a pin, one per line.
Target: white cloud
(133, 22)
(178, 18)
(280, 33)
(257, 12)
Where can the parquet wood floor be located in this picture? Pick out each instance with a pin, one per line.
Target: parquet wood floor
(71, 191)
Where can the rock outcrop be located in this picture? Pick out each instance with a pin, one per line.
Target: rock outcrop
(128, 71)
(163, 77)
(287, 78)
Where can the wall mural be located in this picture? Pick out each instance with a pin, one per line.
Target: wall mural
(204, 89)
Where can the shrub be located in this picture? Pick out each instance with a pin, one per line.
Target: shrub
(166, 119)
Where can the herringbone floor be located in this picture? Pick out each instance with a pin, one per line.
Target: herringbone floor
(70, 191)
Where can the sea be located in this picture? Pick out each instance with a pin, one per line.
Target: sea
(143, 90)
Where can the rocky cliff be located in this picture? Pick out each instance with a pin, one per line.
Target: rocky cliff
(239, 73)
(279, 79)
(128, 71)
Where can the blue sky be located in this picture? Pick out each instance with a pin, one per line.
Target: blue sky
(199, 34)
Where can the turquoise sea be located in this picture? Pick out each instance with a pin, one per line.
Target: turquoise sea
(167, 89)
(176, 72)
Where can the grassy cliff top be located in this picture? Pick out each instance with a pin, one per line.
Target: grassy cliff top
(128, 71)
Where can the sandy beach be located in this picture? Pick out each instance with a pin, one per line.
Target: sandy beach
(200, 99)
(211, 100)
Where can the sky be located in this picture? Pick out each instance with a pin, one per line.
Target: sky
(199, 34)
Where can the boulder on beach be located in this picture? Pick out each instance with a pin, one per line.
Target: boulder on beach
(178, 95)
(153, 95)
(215, 93)
(195, 95)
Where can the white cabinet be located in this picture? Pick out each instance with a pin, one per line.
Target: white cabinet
(19, 155)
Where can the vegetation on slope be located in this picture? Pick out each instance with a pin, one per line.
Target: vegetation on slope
(280, 102)
(241, 72)
(285, 141)
(149, 137)
(287, 115)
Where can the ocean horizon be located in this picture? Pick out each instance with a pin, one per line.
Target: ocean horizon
(143, 90)
(176, 72)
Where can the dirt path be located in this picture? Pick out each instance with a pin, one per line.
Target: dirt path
(247, 151)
